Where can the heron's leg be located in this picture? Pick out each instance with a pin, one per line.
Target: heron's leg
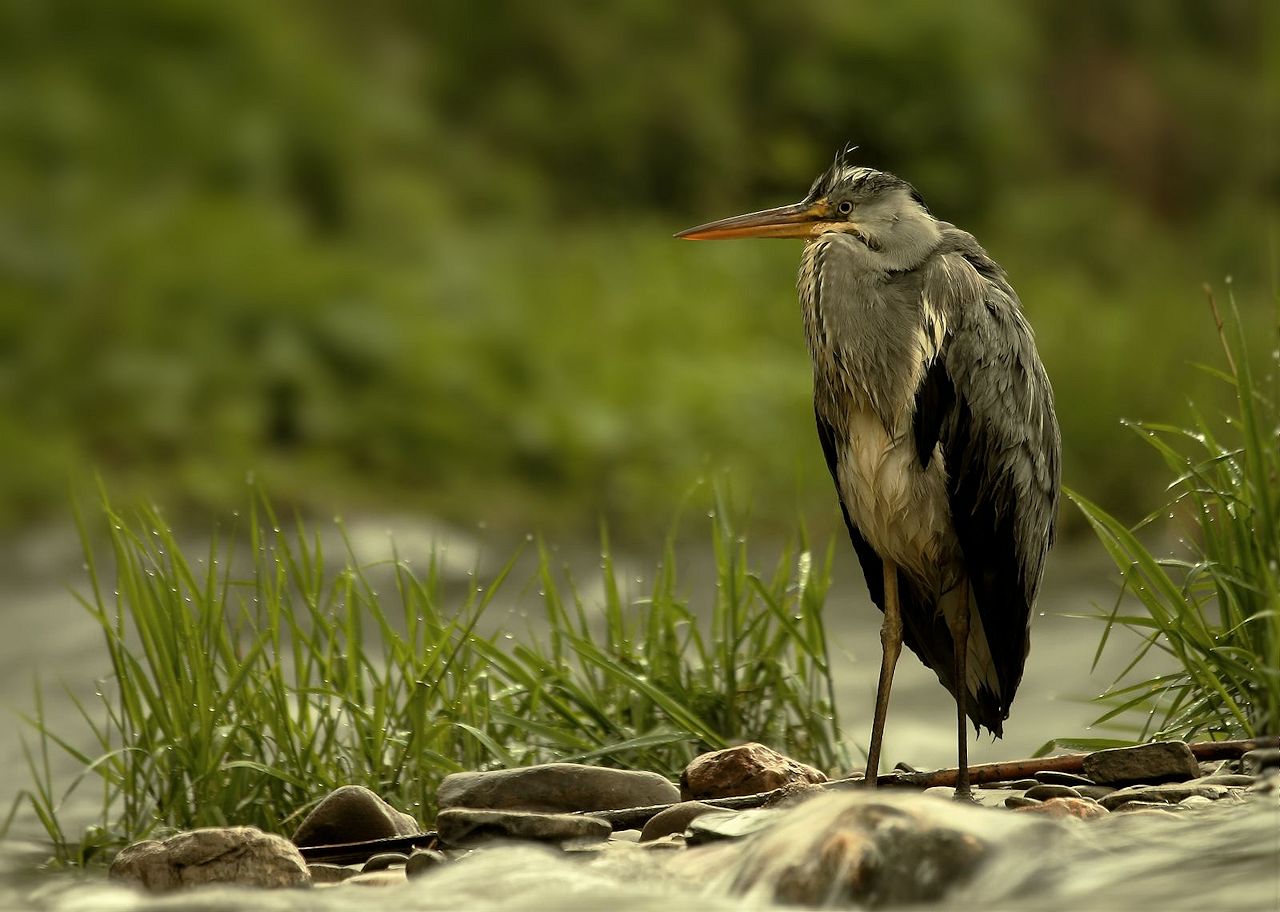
(960, 636)
(891, 646)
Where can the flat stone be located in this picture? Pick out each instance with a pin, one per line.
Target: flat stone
(1045, 792)
(1231, 780)
(244, 856)
(1054, 777)
(1170, 793)
(423, 861)
(1015, 784)
(723, 825)
(353, 813)
(382, 861)
(1019, 801)
(1160, 761)
(322, 873)
(556, 787)
(1080, 808)
(674, 819)
(461, 827)
(1096, 792)
(1261, 760)
(747, 769)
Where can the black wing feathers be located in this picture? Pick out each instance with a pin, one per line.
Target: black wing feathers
(934, 400)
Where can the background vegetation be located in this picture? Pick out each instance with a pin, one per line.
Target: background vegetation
(402, 254)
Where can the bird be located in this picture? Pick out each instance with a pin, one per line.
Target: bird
(935, 415)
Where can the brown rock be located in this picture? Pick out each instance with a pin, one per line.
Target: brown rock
(674, 819)
(747, 769)
(1080, 808)
(1045, 792)
(353, 813)
(554, 788)
(245, 856)
(1160, 761)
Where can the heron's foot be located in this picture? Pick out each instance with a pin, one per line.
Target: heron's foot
(965, 795)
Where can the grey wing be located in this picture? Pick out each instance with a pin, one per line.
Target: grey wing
(1001, 448)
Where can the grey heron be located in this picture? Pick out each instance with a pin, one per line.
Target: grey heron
(936, 418)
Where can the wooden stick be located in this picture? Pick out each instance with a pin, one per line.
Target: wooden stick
(1067, 763)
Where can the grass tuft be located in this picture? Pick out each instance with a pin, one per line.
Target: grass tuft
(248, 681)
(1214, 609)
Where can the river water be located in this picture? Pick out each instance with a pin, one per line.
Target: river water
(1223, 859)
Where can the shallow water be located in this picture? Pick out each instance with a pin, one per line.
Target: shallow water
(1218, 858)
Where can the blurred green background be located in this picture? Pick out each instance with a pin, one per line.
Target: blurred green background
(398, 255)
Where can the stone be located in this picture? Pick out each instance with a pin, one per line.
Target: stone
(1170, 793)
(1015, 784)
(554, 788)
(674, 819)
(1231, 780)
(1196, 801)
(462, 827)
(869, 850)
(244, 856)
(423, 861)
(1054, 777)
(1096, 792)
(1080, 808)
(382, 861)
(1045, 792)
(747, 769)
(723, 825)
(1159, 761)
(1018, 801)
(1260, 760)
(625, 836)
(322, 873)
(353, 813)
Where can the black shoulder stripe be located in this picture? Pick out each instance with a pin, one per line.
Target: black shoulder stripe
(934, 401)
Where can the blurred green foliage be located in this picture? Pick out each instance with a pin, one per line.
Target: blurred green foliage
(419, 254)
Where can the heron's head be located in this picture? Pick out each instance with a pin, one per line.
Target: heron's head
(880, 210)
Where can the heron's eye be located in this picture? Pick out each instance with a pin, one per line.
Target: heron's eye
(845, 207)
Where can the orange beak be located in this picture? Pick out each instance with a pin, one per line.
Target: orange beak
(800, 220)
